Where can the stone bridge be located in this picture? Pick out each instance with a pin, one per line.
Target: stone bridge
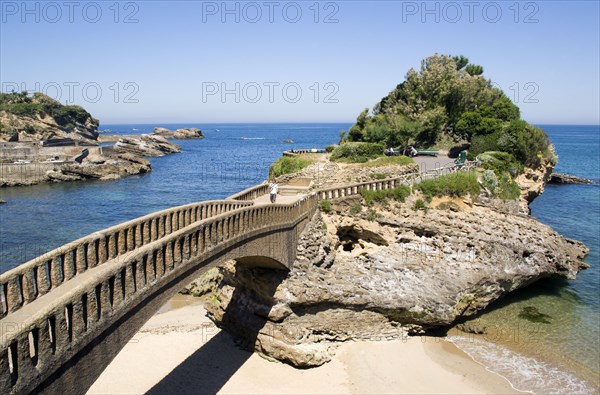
(66, 314)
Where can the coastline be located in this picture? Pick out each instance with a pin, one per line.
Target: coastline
(181, 350)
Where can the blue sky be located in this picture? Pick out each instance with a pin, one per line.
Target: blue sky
(303, 61)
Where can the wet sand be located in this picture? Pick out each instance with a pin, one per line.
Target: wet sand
(181, 351)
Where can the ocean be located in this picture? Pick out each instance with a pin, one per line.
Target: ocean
(559, 356)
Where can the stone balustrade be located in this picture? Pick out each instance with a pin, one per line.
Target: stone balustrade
(45, 333)
(251, 193)
(37, 277)
(390, 183)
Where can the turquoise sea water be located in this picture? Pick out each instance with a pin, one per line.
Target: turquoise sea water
(235, 156)
(562, 355)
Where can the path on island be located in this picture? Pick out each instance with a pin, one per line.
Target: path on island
(425, 163)
(432, 162)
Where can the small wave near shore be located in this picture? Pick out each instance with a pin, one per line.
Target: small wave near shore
(524, 373)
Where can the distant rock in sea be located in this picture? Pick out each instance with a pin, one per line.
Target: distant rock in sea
(561, 178)
(146, 145)
(179, 134)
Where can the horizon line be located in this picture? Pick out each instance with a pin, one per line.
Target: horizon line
(300, 122)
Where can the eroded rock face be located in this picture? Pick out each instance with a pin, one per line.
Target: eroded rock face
(532, 183)
(404, 272)
(101, 168)
(146, 145)
(81, 128)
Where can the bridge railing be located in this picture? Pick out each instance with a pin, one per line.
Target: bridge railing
(43, 337)
(251, 193)
(38, 276)
(390, 183)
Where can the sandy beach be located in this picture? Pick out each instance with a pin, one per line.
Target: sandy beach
(181, 351)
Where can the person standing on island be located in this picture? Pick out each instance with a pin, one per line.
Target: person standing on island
(273, 189)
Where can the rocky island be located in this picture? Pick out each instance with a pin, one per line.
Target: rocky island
(408, 261)
(42, 140)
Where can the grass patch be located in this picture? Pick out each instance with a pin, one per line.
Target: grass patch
(390, 161)
(289, 164)
(378, 176)
(420, 205)
(509, 189)
(455, 185)
(325, 206)
(356, 209)
(371, 215)
(356, 152)
(399, 194)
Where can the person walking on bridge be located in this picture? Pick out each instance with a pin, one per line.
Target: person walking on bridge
(273, 189)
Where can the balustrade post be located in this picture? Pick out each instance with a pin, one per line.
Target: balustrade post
(146, 234)
(14, 298)
(29, 286)
(186, 248)
(168, 229)
(70, 268)
(57, 271)
(141, 272)
(44, 283)
(160, 262)
(24, 362)
(112, 246)
(91, 254)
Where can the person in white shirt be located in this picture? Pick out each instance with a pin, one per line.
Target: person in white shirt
(273, 189)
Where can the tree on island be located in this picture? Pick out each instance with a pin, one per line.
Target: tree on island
(449, 99)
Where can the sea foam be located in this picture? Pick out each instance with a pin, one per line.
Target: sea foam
(524, 373)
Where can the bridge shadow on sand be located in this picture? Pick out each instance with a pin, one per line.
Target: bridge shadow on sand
(205, 371)
(210, 367)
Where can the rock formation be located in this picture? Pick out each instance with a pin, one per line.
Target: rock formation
(532, 183)
(101, 168)
(146, 145)
(179, 134)
(385, 272)
(39, 117)
(561, 178)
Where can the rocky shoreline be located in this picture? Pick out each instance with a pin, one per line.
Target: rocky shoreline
(30, 163)
(388, 271)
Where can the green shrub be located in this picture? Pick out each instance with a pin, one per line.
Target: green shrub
(399, 194)
(371, 215)
(501, 184)
(357, 208)
(508, 189)
(419, 205)
(330, 148)
(325, 206)
(358, 152)
(455, 185)
(287, 164)
(390, 161)
(490, 180)
(501, 162)
(484, 143)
